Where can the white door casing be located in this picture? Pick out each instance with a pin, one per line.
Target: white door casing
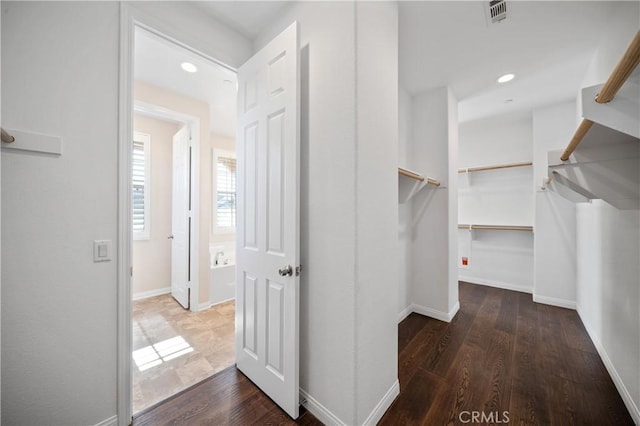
(180, 217)
(267, 303)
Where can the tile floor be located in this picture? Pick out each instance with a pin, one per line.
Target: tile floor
(174, 348)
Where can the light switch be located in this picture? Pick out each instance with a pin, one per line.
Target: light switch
(101, 251)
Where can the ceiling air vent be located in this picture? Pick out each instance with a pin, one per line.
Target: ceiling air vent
(497, 10)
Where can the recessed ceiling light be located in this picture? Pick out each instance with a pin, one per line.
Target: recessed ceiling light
(505, 78)
(189, 67)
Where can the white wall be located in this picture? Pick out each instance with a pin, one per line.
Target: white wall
(496, 197)
(609, 291)
(434, 278)
(405, 129)
(608, 249)
(59, 311)
(614, 42)
(60, 77)
(377, 209)
(152, 257)
(554, 222)
(345, 290)
(495, 140)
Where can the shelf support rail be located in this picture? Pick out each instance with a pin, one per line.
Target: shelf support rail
(619, 75)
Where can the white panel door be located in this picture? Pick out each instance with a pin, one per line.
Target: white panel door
(268, 220)
(180, 217)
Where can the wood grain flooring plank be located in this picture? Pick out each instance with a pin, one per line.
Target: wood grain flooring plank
(507, 316)
(498, 362)
(575, 334)
(409, 328)
(412, 356)
(471, 380)
(438, 358)
(414, 401)
(528, 404)
(483, 325)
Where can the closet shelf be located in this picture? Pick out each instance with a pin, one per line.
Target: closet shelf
(602, 158)
(496, 227)
(617, 78)
(495, 167)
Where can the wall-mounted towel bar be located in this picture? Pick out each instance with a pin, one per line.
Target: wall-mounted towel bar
(6, 137)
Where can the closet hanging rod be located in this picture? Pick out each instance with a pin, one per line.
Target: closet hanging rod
(580, 133)
(6, 137)
(499, 166)
(409, 173)
(496, 227)
(418, 177)
(619, 75)
(621, 72)
(433, 182)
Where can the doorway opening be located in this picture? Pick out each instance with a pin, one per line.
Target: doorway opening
(183, 218)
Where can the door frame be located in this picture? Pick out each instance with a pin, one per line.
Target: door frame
(130, 18)
(154, 111)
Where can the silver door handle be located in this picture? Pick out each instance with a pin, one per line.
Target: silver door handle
(170, 237)
(286, 271)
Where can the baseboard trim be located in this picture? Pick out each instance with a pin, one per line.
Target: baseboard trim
(433, 313)
(562, 303)
(617, 380)
(151, 293)
(111, 421)
(318, 410)
(383, 405)
(223, 301)
(203, 306)
(496, 284)
(404, 313)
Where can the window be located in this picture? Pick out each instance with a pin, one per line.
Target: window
(225, 206)
(141, 193)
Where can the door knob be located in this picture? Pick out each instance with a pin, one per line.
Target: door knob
(286, 271)
(170, 237)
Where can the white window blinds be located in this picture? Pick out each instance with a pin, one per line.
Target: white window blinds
(226, 192)
(140, 186)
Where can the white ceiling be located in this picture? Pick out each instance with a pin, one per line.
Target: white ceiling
(157, 61)
(547, 44)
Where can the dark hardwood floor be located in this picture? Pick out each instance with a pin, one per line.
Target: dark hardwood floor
(519, 362)
(502, 354)
(227, 398)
